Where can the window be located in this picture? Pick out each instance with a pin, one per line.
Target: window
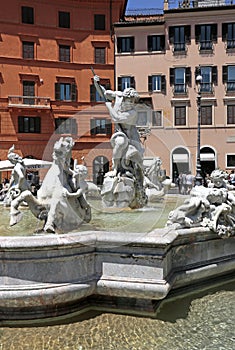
(206, 115)
(100, 55)
(206, 35)
(29, 90)
(94, 95)
(180, 115)
(27, 15)
(64, 53)
(125, 83)
(209, 77)
(157, 83)
(65, 92)
(28, 49)
(230, 114)
(157, 118)
(142, 118)
(29, 124)
(230, 160)
(179, 36)
(99, 22)
(180, 78)
(65, 126)
(125, 44)
(228, 34)
(101, 126)
(64, 19)
(229, 77)
(156, 42)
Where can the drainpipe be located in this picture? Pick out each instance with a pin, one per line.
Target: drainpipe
(111, 17)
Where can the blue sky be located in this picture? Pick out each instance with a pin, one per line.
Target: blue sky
(140, 4)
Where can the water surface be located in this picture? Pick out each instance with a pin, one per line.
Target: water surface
(204, 321)
(108, 219)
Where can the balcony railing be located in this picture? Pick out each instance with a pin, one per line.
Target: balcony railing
(180, 89)
(230, 44)
(179, 47)
(206, 87)
(206, 45)
(231, 86)
(29, 101)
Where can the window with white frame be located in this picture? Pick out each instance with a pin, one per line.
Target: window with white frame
(125, 82)
(156, 83)
(180, 78)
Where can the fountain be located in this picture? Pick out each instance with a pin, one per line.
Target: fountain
(50, 275)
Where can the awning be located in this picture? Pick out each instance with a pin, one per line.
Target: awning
(207, 156)
(6, 165)
(180, 158)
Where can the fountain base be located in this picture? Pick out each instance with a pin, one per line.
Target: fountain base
(55, 275)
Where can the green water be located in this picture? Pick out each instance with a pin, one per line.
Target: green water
(203, 321)
(108, 219)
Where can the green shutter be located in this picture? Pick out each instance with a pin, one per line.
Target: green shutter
(74, 92)
(57, 91)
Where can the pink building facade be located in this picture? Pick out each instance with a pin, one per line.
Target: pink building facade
(161, 56)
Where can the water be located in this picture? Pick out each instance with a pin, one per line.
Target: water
(109, 219)
(203, 321)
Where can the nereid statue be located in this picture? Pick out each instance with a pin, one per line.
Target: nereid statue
(212, 206)
(124, 185)
(60, 201)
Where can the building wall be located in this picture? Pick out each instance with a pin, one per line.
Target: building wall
(46, 69)
(141, 63)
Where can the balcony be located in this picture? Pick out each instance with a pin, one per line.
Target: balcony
(205, 46)
(29, 102)
(206, 88)
(179, 48)
(230, 86)
(180, 89)
(230, 44)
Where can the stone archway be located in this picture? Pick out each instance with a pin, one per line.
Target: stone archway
(208, 160)
(180, 162)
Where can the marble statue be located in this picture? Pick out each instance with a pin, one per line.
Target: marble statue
(79, 178)
(155, 182)
(124, 185)
(212, 206)
(18, 181)
(60, 201)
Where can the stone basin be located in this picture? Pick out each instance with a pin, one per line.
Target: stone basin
(48, 276)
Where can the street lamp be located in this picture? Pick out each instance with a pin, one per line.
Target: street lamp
(198, 177)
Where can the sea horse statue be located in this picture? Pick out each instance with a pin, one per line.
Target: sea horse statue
(60, 202)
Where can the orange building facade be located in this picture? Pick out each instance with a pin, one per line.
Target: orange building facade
(47, 49)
